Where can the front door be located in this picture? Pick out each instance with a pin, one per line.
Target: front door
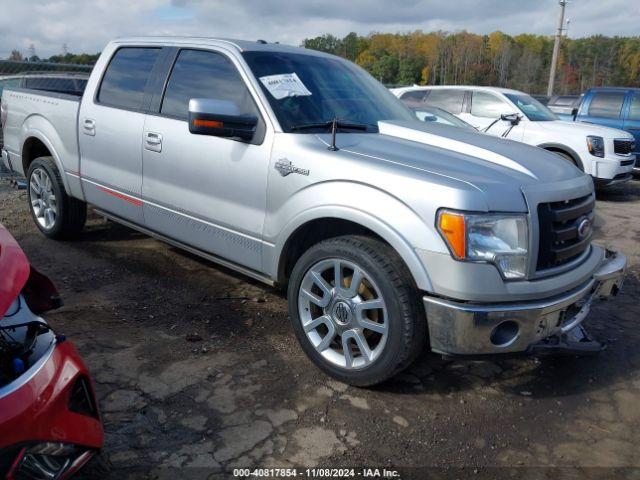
(484, 113)
(110, 134)
(204, 191)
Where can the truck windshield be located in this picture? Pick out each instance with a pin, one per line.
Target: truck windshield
(532, 108)
(306, 90)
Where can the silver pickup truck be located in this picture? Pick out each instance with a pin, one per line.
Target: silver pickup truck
(299, 169)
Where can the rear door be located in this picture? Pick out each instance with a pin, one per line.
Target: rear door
(204, 191)
(110, 133)
(449, 99)
(632, 120)
(604, 107)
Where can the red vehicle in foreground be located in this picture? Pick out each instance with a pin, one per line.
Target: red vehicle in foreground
(49, 420)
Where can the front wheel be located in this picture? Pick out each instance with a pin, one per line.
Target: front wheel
(355, 310)
(55, 213)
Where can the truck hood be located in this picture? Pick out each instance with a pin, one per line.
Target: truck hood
(562, 128)
(501, 169)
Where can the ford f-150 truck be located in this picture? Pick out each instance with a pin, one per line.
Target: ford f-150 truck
(297, 168)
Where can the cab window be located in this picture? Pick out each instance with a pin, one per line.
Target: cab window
(125, 79)
(606, 104)
(487, 105)
(447, 99)
(203, 74)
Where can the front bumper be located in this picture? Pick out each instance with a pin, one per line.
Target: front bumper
(459, 328)
(612, 170)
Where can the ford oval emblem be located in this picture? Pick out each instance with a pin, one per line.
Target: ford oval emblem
(584, 228)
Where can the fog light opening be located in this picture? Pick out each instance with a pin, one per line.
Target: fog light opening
(505, 333)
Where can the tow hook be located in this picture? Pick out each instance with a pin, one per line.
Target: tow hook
(574, 342)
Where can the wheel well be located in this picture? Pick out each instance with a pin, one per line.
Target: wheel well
(575, 160)
(32, 149)
(314, 232)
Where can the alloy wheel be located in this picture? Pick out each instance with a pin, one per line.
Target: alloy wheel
(43, 200)
(343, 313)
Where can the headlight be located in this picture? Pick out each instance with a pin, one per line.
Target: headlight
(501, 239)
(595, 146)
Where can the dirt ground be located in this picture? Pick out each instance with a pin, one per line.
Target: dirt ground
(197, 371)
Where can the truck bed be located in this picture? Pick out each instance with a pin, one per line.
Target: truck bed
(50, 117)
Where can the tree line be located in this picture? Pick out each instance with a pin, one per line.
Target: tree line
(68, 58)
(521, 62)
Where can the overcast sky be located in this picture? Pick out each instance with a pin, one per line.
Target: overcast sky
(87, 25)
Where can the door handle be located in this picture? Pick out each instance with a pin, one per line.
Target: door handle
(153, 141)
(89, 126)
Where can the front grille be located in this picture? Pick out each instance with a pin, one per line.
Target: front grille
(626, 163)
(623, 146)
(560, 241)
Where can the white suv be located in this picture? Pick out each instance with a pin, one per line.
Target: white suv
(518, 116)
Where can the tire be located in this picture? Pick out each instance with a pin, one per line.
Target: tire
(70, 213)
(391, 327)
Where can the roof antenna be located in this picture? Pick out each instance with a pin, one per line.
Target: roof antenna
(263, 42)
(334, 128)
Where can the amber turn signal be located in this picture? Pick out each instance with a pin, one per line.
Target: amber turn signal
(452, 228)
(207, 123)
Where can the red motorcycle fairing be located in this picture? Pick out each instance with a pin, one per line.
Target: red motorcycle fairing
(14, 270)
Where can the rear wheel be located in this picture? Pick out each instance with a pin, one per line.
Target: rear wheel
(55, 213)
(355, 310)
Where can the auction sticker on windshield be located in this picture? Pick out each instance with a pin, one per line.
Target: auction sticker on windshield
(285, 85)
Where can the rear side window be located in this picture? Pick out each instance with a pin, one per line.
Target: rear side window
(606, 104)
(449, 100)
(126, 77)
(413, 96)
(202, 74)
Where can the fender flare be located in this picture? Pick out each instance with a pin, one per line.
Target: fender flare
(34, 132)
(392, 220)
(569, 151)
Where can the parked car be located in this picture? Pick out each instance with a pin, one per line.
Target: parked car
(299, 169)
(49, 421)
(68, 83)
(563, 104)
(428, 113)
(511, 114)
(543, 99)
(616, 108)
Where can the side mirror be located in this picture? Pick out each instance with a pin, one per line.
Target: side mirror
(513, 118)
(574, 112)
(430, 118)
(220, 118)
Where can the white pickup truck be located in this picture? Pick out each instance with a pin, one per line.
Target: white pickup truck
(299, 169)
(604, 153)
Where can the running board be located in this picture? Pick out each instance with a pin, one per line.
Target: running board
(207, 256)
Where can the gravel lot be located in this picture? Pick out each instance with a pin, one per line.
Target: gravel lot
(197, 371)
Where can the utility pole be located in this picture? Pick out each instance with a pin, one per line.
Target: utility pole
(556, 49)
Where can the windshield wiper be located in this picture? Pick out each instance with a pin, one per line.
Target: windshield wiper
(335, 124)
